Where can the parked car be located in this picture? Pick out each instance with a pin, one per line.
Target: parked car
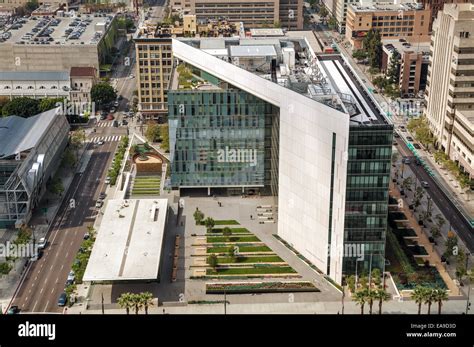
(71, 277)
(110, 117)
(112, 110)
(13, 310)
(37, 256)
(87, 236)
(407, 161)
(62, 301)
(417, 146)
(115, 124)
(107, 180)
(99, 204)
(425, 184)
(42, 243)
(102, 196)
(409, 138)
(116, 104)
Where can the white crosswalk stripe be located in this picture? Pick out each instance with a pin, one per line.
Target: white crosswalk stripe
(104, 124)
(112, 138)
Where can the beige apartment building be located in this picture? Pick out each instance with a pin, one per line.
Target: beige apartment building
(154, 66)
(82, 81)
(409, 21)
(253, 13)
(413, 64)
(450, 85)
(155, 60)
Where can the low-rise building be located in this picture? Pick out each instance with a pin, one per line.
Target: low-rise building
(413, 60)
(82, 81)
(407, 20)
(30, 152)
(35, 84)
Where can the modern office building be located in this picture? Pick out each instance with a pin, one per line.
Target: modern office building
(58, 44)
(253, 13)
(30, 152)
(412, 63)
(269, 116)
(409, 21)
(450, 94)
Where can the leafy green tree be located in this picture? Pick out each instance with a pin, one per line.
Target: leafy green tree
(418, 196)
(435, 232)
(152, 133)
(375, 277)
(69, 159)
(47, 104)
(451, 244)
(359, 54)
(209, 223)
(165, 138)
(407, 183)
(371, 296)
(22, 107)
(102, 94)
(31, 5)
(213, 261)
(393, 71)
(323, 12)
(198, 216)
(351, 283)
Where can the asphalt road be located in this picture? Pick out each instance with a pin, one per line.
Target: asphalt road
(458, 223)
(45, 279)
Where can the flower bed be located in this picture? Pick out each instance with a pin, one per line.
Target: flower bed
(260, 287)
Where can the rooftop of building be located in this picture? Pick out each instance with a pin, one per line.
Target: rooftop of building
(34, 75)
(292, 63)
(385, 6)
(401, 45)
(83, 72)
(85, 29)
(129, 241)
(466, 115)
(18, 134)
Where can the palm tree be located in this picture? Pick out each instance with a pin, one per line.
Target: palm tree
(429, 298)
(125, 301)
(147, 300)
(371, 296)
(419, 294)
(137, 302)
(440, 295)
(381, 295)
(360, 297)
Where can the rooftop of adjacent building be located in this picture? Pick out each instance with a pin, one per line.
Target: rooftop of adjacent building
(401, 45)
(386, 6)
(49, 30)
(18, 134)
(292, 63)
(204, 28)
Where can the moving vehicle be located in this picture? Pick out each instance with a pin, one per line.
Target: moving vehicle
(425, 184)
(37, 256)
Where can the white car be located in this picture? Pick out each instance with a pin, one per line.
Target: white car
(42, 243)
(116, 103)
(99, 204)
(131, 76)
(107, 180)
(71, 277)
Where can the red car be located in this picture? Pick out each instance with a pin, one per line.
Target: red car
(110, 117)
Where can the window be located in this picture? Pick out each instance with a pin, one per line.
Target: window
(54, 87)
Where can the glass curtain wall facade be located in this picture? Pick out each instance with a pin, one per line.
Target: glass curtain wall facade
(368, 177)
(219, 138)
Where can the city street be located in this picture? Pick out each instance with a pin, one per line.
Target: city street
(45, 279)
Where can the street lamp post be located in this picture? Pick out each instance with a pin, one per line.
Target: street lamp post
(468, 303)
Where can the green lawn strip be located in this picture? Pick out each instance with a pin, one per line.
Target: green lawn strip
(213, 239)
(224, 222)
(252, 270)
(242, 249)
(234, 231)
(250, 259)
(152, 192)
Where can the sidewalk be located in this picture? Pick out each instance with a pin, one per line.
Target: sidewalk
(40, 223)
(328, 307)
